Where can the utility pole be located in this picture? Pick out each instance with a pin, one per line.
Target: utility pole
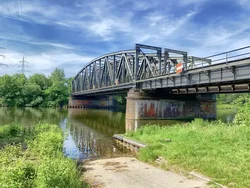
(23, 65)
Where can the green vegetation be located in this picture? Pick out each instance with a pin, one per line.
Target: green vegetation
(120, 100)
(35, 91)
(232, 101)
(11, 134)
(42, 164)
(215, 149)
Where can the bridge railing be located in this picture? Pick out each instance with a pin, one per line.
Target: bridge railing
(225, 57)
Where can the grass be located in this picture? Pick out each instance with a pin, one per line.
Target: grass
(42, 164)
(227, 106)
(214, 149)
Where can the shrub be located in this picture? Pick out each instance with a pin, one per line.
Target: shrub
(242, 117)
(57, 172)
(41, 165)
(10, 131)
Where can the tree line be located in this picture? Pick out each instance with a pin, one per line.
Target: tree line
(37, 90)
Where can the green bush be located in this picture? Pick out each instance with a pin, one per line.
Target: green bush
(243, 117)
(57, 172)
(48, 141)
(42, 165)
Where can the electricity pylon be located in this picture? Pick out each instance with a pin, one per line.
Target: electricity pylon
(23, 65)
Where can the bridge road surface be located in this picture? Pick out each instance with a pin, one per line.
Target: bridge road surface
(128, 172)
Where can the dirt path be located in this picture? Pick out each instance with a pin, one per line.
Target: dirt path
(127, 172)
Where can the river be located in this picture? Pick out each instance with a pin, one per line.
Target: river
(88, 131)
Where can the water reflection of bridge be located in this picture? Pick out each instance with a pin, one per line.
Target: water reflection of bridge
(92, 131)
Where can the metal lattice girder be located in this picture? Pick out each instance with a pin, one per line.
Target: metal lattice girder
(150, 60)
(184, 56)
(145, 65)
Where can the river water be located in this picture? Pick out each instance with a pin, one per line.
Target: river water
(88, 131)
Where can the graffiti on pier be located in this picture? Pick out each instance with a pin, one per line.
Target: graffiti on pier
(173, 109)
(149, 109)
(208, 109)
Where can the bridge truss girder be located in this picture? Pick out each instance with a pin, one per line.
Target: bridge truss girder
(129, 66)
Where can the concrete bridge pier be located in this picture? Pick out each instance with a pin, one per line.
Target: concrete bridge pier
(160, 105)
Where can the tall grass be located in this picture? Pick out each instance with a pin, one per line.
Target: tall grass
(215, 149)
(41, 165)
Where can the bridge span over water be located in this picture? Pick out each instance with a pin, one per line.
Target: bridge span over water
(149, 68)
(162, 83)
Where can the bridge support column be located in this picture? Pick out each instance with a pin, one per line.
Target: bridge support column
(142, 106)
(132, 118)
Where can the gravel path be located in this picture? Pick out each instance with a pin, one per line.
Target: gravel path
(127, 172)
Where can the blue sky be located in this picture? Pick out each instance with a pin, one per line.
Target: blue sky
(69, 33)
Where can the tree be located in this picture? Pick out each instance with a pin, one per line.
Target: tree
(37, 90)
(20, 81)
(41, 80)
(11, 89)
(32, 93)
(57, 93)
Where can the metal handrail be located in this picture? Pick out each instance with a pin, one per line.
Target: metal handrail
(230, 57)
(224, 58)
(228, 52)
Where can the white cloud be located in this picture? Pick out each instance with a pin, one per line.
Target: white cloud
(161, 27)
(144, 5)
(189, 2)
(243, 2)
(44, 63)
(221, 33)
(30, 40)
(101, 21)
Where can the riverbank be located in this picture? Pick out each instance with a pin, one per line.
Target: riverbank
(215, 149)
(38, 161)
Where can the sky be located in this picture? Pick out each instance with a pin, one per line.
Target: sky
(69, 33)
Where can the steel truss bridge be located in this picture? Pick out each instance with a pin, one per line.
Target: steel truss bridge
(149, 68)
